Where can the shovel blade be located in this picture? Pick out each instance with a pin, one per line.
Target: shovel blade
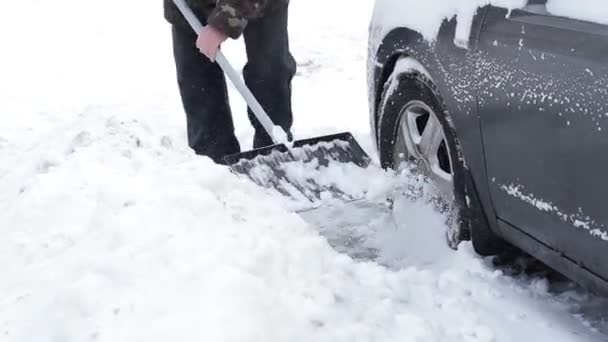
(277, 166)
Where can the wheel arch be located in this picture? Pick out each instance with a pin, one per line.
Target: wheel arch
(439, 59)
(422, 77)
(397, 44)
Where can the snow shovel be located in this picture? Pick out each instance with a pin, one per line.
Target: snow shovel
(280, 165)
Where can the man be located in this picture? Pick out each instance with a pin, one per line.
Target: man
(268, 73)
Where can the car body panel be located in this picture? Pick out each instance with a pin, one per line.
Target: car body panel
(554, 259)
(483, 87)
(450, 66)
(543, 110)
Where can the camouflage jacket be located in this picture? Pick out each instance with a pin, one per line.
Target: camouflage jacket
(229, 16)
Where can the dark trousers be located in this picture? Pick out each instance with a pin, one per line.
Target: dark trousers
(268, 73)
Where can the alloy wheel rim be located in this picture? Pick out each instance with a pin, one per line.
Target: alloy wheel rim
(420, 138)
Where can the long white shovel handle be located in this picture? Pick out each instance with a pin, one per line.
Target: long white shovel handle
(234, 76)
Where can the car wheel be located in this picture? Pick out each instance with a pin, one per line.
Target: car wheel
(414, 129)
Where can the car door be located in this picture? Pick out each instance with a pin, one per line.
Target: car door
(543, 102)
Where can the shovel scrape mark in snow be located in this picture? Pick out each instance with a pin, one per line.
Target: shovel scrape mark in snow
(579, 220)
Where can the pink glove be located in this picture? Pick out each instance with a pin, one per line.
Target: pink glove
(209, 41)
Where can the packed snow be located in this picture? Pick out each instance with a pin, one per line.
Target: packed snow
(113, 230)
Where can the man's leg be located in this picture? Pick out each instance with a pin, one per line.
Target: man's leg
(269, 70)
(205, 98)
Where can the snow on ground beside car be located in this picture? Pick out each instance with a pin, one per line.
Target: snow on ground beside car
(112, 230)
(114, 233)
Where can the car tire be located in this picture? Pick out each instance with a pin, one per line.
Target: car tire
(413, 86)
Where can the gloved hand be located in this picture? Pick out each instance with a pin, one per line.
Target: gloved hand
(209, 41)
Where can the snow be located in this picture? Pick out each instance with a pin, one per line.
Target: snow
(405, 66)
(578, 220)
(113, 230)
(426, 17)
(590, 10)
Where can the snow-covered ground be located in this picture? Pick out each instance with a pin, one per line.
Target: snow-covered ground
(112, 230)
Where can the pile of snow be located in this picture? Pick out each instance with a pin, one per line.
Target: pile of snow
(111, 232)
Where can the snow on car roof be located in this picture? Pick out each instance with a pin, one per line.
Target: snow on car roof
(427, 16)
(589, 10)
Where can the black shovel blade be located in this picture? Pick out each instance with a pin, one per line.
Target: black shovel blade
(269, 166)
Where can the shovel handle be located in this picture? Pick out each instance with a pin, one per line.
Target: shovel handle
(234, 76)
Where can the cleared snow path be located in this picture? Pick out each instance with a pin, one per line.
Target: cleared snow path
(112, 230)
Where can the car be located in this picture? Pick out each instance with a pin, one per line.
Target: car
(506, 113)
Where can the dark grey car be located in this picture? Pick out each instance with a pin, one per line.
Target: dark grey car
(513, 130)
